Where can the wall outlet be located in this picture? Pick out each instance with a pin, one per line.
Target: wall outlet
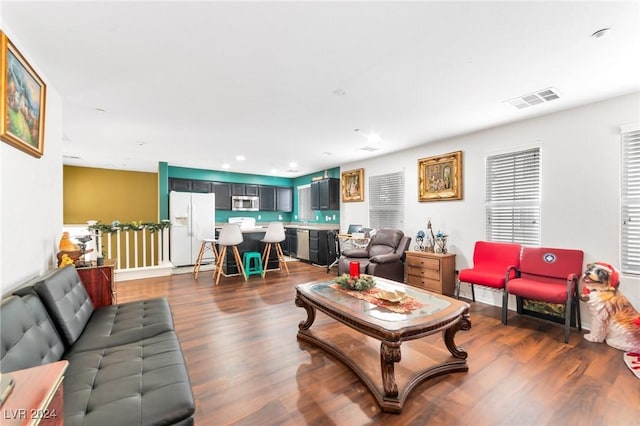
(334, 217)
(259, 216)
(317, 217)
(279, 217)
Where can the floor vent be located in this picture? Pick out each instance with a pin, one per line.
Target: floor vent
(534, 98)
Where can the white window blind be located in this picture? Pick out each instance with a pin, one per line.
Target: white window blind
(630, 238)
(513, 195)
(386, 201)
(304, 203)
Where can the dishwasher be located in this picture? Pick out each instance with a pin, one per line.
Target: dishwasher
(303, 244)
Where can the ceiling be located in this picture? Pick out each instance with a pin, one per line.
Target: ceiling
(198, 83)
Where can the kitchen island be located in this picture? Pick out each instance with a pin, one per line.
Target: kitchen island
(251, 242)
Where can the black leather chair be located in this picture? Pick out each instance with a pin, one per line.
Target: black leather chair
(383, 257)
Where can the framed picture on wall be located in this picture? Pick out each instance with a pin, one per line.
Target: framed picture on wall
(23, 101)
(353, 185)
(440, 177)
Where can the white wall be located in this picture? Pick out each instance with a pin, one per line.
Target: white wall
(580, 153)
(31, 196)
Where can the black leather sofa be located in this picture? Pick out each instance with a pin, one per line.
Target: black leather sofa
(126, 365)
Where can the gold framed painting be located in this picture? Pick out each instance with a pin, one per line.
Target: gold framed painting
(23, 101)
(440, 177)
(353, 185)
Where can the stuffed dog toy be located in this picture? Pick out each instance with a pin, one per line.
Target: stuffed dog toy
(613, 318)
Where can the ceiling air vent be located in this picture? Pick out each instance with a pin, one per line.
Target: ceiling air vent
(369, 148)
(535, 98)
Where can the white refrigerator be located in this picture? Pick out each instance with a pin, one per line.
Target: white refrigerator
(193, 218)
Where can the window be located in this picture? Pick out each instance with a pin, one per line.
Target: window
(304, 203)
(513, 197)
(386, 201)
(630, 238)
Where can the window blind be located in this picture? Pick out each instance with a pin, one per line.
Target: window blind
(304, 203)
(513, 194)
(386, 201)
(630, 238)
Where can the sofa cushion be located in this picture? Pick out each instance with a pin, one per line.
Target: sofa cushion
(67, 301)
(140, 383)
(126, 323)
(23, 344)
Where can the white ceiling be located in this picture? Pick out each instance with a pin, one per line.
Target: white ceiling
(197, 83)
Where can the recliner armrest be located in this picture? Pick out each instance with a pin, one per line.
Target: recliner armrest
(385, 258)
(356, 252)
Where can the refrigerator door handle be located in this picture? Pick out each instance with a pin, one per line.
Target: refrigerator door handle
(189, 219)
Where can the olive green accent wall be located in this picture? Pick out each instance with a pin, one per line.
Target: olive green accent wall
(107, 195)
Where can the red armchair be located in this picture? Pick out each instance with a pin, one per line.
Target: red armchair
(493, 264)
(550, 275)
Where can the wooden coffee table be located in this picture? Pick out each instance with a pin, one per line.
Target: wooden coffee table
(389, 381)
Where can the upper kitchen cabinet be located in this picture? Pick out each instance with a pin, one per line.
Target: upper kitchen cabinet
(201, 186)
(325, 194)
(223, 195)
(244, 189)
(267, 196)
(180, 185)
(284, 199)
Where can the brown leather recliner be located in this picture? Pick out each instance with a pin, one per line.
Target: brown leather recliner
(383, 257)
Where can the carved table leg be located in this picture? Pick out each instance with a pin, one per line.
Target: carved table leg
(449, 334)
(311, 313)
(389, 354)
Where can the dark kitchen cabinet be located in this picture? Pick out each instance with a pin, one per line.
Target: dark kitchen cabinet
(267, 196)
(290, 243)
(223, 195)
(179, 185)
(318, 247)
(284, 199)
(244, 189)
(325, 194)
(201, 186)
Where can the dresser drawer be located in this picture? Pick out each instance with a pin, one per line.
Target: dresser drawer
(423, 272)
(425, 283)
(422, 262)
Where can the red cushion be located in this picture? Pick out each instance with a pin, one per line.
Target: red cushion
(546, 291)
(486, 278)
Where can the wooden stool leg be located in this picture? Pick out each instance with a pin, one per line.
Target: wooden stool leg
(236, 253)
(265, 260)
(196, 267)
(281, 257)
(219, 262)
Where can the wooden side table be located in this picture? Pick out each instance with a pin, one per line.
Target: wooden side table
(431, 271)
(99, 282)
(37, 396)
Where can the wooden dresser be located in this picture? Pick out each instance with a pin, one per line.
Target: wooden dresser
(37, 397)
(431, 271)
(99, 282)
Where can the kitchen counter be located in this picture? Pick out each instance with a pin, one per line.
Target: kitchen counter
(312, 227)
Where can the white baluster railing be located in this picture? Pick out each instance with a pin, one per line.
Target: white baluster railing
(152, 254)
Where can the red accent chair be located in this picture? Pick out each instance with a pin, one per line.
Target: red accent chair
(550, 275)
(493, 264)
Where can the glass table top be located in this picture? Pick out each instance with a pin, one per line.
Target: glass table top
(431, 303)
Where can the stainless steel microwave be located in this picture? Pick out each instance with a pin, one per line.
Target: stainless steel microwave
(245, 203)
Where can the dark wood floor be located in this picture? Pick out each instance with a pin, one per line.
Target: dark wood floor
(248, 368)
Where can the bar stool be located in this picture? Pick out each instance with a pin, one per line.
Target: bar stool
(207, 244)
(230, 236)
(274, 236)
(252, 263)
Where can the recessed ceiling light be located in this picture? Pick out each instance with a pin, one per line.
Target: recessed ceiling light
(339, 92)
(240, 157)
(326, 153)
(293, 164)
(601, 33)
(273, 171)
(226, 165)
